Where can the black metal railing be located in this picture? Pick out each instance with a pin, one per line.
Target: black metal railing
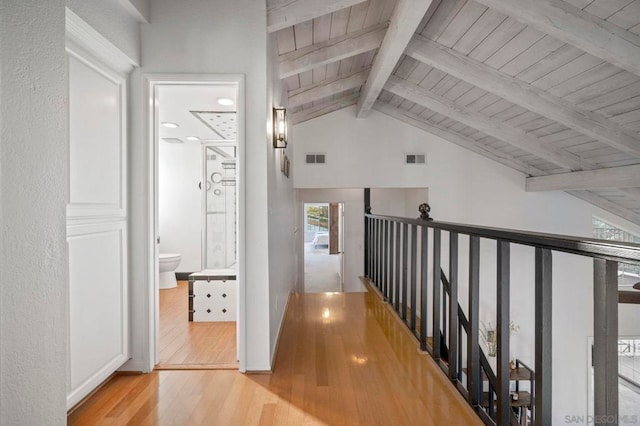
(396, 248)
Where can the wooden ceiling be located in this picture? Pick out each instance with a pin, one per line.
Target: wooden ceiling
(548, 87)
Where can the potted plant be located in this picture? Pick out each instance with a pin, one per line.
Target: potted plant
(490, 336)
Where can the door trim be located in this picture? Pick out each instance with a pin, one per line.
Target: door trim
(83, 34)
(151, 81)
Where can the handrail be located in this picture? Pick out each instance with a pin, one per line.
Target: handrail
(591, 247)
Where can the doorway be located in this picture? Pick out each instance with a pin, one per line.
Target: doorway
(323, 247)
(197, 140)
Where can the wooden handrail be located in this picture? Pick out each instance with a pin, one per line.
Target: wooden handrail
(629, 297)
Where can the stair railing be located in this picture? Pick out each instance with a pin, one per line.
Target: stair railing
(392, 256)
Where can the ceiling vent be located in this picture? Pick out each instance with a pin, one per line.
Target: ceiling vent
(315, 158)
(415, 158)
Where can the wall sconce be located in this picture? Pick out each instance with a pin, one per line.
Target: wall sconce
(279, 128)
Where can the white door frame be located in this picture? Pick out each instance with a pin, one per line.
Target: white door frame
(302, 226)
(151, 83)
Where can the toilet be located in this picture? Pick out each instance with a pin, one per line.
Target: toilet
(168, 263)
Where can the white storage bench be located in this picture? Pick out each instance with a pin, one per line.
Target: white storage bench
(213, 295)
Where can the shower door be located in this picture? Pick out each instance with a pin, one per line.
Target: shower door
(219, 239)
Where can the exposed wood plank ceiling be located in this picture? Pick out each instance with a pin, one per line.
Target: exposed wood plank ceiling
(548, 87)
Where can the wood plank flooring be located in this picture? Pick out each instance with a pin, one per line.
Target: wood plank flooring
(185, 344)
(344, 359)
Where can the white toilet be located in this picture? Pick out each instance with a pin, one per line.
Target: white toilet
(168, 264)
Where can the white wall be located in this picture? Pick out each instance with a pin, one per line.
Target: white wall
(353, 200)
(198, 36)
(402, 202)
(180, 203)
(34, 164)
(282, 254)
(356, 156)
(467, 188)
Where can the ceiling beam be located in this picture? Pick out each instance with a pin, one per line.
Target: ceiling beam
(499, 157)
(332, 50)
(492, 127)
(282, 14)
(319, 91)
(318, 110)
(406, 18)
(457, 139)
(607, 205)
(613, 177)
(520, 93)
(576, 27)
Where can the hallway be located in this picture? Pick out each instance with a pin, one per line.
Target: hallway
(343, 360)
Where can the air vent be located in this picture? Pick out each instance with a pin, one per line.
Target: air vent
(415, 158)
(315, 158)
(172, 140)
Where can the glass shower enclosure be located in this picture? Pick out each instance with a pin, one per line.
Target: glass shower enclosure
(220, 205)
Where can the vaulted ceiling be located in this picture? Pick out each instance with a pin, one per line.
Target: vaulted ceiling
(548, 87)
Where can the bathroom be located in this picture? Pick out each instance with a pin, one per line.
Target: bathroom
(197, 197)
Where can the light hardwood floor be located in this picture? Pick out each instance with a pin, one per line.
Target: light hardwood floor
(344, 359)
(185, 344)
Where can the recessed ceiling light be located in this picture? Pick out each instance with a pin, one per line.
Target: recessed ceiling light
(192, 138)
(225, 101)
(170, 125)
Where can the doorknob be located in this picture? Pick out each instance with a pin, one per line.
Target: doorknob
(158, 240)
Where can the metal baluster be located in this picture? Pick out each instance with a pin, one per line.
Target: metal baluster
(542, 393)
(392, 226)
(396, 297)
(453, 305)
(437, 287)
(414, 272)
(366, 246)
(424, 276)
(474, 378)
(405, 260)
(370, 244)
(502, 388)
(385, 253)
(374, 249)
(605, 338)
(378, 247)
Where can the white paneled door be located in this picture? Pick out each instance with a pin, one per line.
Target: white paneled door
(96, 224)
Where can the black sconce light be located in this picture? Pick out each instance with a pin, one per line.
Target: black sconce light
(279, 128)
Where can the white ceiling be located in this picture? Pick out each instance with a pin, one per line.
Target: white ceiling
(516, 87)
(196, 110)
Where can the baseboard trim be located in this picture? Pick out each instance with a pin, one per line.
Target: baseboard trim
(223, 366)
(274, 354)
(90, 394)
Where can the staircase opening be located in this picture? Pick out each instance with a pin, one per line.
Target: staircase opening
(431, 274)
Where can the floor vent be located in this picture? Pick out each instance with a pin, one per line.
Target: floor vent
(315, 158)
(415, 158)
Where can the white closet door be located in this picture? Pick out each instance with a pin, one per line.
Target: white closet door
(96, 224)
